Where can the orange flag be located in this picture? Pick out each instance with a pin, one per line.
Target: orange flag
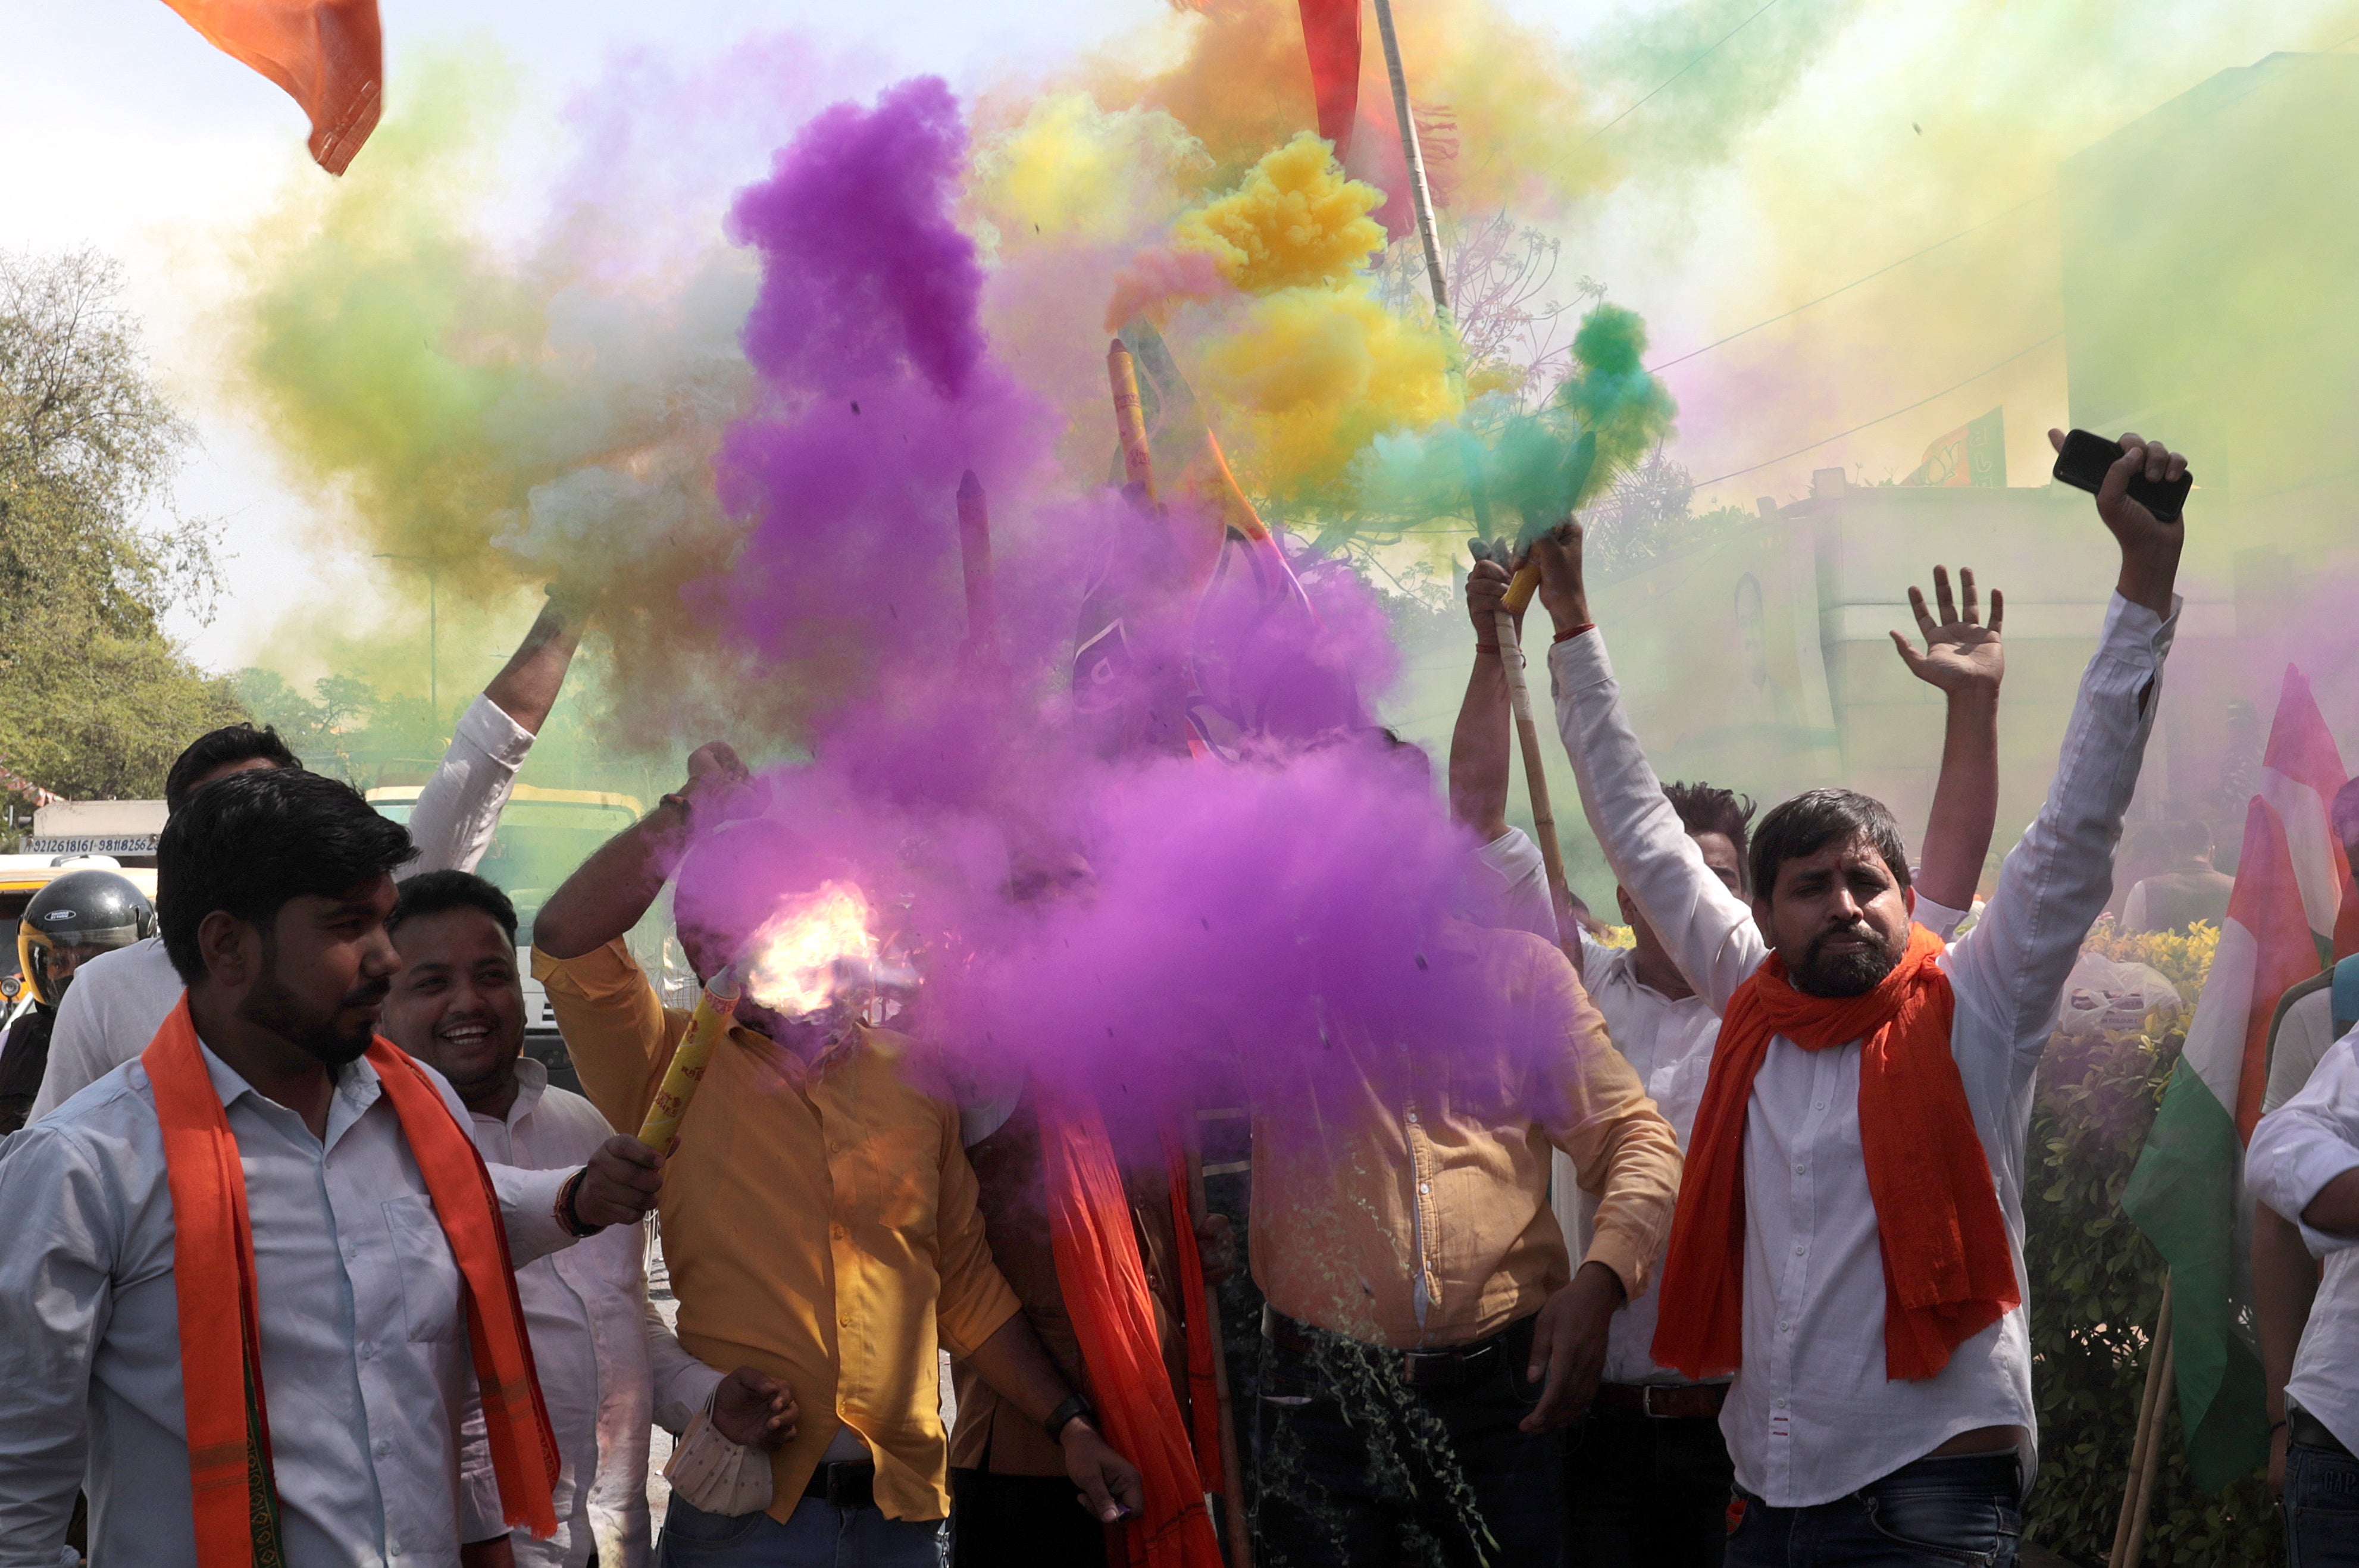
(327, 54)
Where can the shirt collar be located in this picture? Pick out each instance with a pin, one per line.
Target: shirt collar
(357, 1088)
(532, 1082)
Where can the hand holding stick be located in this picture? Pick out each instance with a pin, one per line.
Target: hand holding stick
(1528, 735)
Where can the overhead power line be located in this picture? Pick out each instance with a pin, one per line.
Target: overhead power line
(1674, 77)
(1977, 375)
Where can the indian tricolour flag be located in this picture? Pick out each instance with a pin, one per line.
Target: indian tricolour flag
(2187, 1192)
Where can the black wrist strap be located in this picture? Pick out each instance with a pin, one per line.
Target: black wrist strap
(1075, 1407)
(570, 1207)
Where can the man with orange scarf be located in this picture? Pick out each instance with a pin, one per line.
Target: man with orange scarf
(258, 1285)
(1849, 1234)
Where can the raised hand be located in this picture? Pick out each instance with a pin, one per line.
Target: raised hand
(1562, 589)
(1961, 652)
(1487, 592)
(2150, 545)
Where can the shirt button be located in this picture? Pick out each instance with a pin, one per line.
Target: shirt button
(844, 1321)
(1802, 1170)
(1800, 1249)
(1820, 1107)
(367, 1350)
(384, 1446)
(837, 1231)
(1412, 1118)
(1425, 1186)
(1781, 1404)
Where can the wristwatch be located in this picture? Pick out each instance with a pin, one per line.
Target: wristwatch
(1075, 1407)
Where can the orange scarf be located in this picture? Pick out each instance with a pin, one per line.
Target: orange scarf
(1105, 1285)
(236, 1503)
(1948, 1271)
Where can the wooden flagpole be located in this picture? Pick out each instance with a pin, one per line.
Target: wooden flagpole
(2145, 1448)
(1511, 648)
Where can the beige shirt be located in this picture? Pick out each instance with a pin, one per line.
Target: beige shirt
(1401, 1188)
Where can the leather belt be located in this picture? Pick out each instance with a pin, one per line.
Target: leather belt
(1452, 1367)
(848, 1484)
(2310, 1433)
(1662, 1401)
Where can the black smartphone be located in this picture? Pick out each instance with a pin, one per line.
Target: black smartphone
(2087, 457)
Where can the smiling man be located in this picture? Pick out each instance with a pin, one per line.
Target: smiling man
(257, 1276)
(607, 1363)
(1849, 1235)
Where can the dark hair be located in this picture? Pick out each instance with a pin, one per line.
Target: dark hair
(2189, 838)
(1817, 818)
(435, 892)
(218, 748)
(250, 843)
(1706, 808)
(2345, 814)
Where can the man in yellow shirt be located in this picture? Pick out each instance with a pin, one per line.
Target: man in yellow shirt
(820, 1221)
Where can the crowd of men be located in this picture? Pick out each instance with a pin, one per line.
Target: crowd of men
(308, 1264)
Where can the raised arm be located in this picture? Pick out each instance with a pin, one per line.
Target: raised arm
(1964, 660)
(1479, 745)
(2012, 966)
(609, 892)
(1708, 930)
(459, 809)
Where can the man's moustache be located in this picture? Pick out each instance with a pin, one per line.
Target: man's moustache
(368, 995)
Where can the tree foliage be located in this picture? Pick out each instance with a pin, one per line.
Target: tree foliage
(95, 698)
(2096, 1286)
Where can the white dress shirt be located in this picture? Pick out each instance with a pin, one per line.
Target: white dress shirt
(595, 1341)
(1811, 1416)
(118, 1000)
(366, 1368)
(1668, 1040)
(2296, 1151)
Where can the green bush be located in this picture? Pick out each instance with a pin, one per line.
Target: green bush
(2096, 1285)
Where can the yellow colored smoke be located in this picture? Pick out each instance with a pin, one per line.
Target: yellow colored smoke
(1310, 375)
(1296, 223)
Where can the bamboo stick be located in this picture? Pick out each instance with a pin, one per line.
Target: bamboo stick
(1130, 420)
(1233, 1481)
(2135, 1552)
(975, 554)
(2130, 1523)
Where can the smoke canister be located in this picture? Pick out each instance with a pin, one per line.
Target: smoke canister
(714, 1007)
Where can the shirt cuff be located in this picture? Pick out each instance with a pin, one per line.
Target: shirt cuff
(685, 1392)
(1579, 662)
(1617, 1252)
(2135, 628)
(529, 1207)
(1938, 917)
(2308, 1173)
(487, 726)
(964, 1326)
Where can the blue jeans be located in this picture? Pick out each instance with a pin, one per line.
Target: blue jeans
(1965, 1511)
(2321, 1507)
(818, 1535)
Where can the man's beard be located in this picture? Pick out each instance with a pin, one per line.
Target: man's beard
(275, 1007)
(1824, 974)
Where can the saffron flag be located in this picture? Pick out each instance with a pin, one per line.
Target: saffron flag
(2187, 1191)
(1974, 453)
(327, 54)
(1331, 38)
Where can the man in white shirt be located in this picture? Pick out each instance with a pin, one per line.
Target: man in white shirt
(2307, 1023)
(364, 1274)
(1647, 1477)
(117, 1002)
(1857, 1426)
(2303, 1164)
(607, 1363)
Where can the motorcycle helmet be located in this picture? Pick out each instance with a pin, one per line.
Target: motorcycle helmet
(74, 919)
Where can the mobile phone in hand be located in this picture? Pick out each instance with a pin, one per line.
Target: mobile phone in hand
(2086, 458)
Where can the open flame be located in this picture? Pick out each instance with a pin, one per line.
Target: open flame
(815, 952)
